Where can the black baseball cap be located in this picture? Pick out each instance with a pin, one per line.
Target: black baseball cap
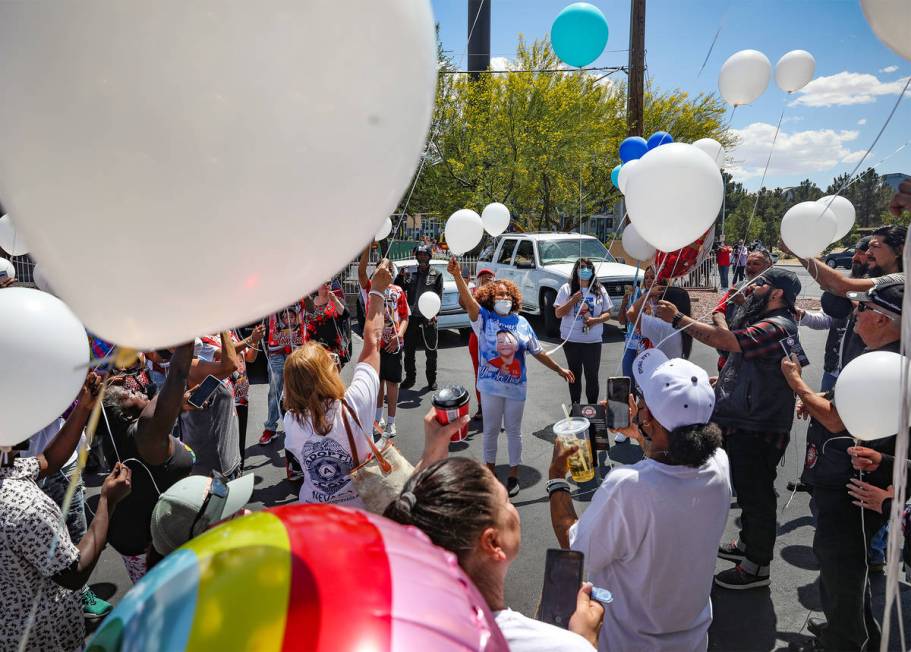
(887, 297)
(835, 306)
(785, 280)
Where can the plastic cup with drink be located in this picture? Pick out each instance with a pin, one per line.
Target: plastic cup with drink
(573, 431)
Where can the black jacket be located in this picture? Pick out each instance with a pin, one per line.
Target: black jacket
(416, 283)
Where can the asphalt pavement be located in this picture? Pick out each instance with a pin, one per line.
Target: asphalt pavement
(760, 619)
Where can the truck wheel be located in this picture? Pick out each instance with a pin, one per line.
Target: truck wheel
(551, 323)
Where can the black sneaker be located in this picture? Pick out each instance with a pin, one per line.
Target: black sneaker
(432, 385)
(738, 579)
(512, 486)
(731, 552)
(408, 383)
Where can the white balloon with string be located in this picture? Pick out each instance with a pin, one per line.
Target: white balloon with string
(626, 170)
(226, 118)
(808, 228)
(713, 148)
(635, 245)
(11, 240)
(868, 394)
(384, 231)
(844, 214)
(495, 218)
(674, 195)
(891, 22)
(429, 304)
(463, 231)
(794, 70)
(44, 356)
(7, 269)
(744, 77)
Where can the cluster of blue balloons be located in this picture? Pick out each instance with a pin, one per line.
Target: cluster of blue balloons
(635, 147)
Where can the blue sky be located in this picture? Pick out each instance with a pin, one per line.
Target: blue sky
(825, 129)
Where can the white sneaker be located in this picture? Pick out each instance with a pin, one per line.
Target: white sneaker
(390, 431)
(379, 428)
(620, 438)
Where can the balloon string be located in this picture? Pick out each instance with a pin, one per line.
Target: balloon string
(746, 235)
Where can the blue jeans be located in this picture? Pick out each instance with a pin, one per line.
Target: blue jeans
(723, 274)
(629, 355)
(828, 381)
(877, 551)
(55, 487)
(276, 385)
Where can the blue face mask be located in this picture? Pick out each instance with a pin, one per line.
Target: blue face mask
(585, 274)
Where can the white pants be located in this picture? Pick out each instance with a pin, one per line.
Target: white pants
(508, 412)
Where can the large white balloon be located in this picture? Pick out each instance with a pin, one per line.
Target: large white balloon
(794, 70)
(674, 195)
(44, 355)
(167, 130)
(635, 245)
(384, 231)
(495, 217)
(7, 268)
(844, 214)
(744, 76)
(40, 280)
(626, 170)
(713, 148)
(808, 228)
(429, 304)
(464, 231)
(891, 22)
(11, 240)
(868, 394)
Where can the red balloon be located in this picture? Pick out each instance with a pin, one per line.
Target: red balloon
(681, 262)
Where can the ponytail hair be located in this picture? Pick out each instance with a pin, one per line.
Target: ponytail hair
(693, 445)
(451, 501)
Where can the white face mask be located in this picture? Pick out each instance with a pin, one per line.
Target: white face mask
(502, 306)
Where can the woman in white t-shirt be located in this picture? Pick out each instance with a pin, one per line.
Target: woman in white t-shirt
(459, 490)
(583, 305)
(315, 397)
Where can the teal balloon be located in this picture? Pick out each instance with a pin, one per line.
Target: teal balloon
(579, 34)
(615, 176)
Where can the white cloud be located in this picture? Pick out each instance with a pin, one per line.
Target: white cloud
(796, 153)
(792, 118)
(846, 88)
(889, 69)
(500, 63)
(862, 121)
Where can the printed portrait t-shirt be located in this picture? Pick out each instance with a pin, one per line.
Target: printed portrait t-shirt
(502, 355)
(395, 309)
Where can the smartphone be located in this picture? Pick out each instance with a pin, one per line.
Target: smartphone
(204, 392)
(3, 274)
(792, 345)
(618, 389)
(562, 581)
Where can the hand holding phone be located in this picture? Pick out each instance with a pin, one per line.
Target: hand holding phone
(618, 391)
(562, 581)
(204, 392)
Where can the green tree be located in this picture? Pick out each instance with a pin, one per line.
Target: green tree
(543, 143)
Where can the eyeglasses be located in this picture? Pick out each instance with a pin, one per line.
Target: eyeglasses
(213, 506)
(863, 307)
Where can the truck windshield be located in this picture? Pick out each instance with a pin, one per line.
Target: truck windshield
(554, 252)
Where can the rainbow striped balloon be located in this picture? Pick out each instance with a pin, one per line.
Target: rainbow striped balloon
(304, 577)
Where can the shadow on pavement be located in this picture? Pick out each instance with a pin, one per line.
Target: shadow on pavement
(800, 556)
(730, 630)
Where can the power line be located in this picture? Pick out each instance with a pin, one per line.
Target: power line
(611, 69)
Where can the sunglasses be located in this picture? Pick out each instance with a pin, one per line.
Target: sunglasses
(863, 307)
(761, 282)
(213, 506)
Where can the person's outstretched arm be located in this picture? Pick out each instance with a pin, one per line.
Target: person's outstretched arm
(362, 277)
(159, 416)
(465, 296)
(58, 452)
(373, 322)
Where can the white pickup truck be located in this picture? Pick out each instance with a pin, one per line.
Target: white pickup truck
(539, 263)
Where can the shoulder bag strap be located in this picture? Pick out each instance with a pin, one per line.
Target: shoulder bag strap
(351, 444)
(385, 466)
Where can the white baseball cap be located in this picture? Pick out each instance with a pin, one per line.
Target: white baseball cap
(677, 392)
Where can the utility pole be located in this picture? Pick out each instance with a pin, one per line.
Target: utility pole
(478, 37)
(636, 86)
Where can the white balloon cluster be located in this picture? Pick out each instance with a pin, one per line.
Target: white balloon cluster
(746, 74)
(197, 121)
(465, 228)
(635, 245)
(808, 228)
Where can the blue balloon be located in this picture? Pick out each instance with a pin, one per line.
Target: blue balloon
(579, 34)
(632, 148)
(659, 138)
(615, 177)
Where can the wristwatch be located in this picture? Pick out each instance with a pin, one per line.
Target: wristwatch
(676, 319)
